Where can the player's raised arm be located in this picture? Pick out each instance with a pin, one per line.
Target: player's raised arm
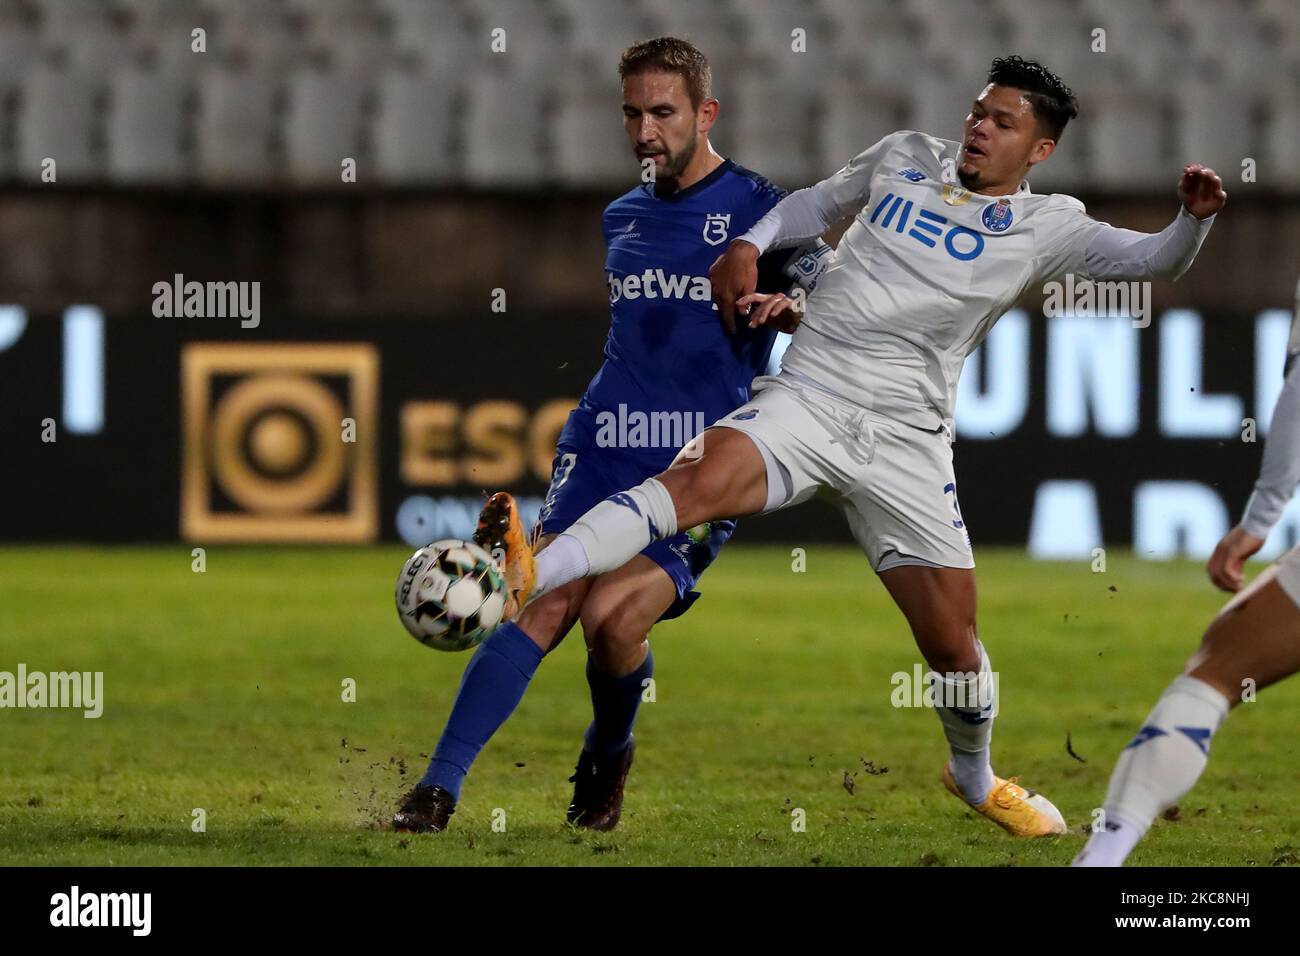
(804, 214)
(1125, 254)
(1279, 474)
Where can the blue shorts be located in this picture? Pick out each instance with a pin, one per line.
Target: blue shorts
(583, 476)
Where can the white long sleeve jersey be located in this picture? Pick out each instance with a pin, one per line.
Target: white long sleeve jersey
(1279, 473)
(927, 267)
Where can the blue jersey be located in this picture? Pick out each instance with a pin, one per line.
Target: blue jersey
(668, 353)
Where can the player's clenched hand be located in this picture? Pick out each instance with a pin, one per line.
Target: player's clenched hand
(734, 274)
(775, 309)
(1201, 191)
(1225, 567)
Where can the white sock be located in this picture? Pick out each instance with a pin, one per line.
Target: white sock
(969, 727)
(1110, 845)
(1157, 769)
(561, 561)
(607, 536)
(973, 773)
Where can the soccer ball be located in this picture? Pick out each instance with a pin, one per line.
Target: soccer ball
(450, 595)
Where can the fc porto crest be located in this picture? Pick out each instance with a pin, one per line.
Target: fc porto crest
(997, 216)
(716, 225)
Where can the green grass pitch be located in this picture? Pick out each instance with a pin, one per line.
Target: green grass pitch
(223, 691)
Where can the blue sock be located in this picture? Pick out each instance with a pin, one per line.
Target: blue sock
(493, 684)
(614, 703)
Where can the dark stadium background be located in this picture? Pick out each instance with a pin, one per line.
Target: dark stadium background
(479, 171)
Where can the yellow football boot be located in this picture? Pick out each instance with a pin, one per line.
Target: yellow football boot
(501, 534)
(1021, 812)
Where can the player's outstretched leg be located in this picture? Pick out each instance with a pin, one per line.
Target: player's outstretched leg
(493, 683)
(617, 615)
(939, 604)
(721, 474)
(1255, 639)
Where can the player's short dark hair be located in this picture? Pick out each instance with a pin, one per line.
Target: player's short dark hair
(1053, 102)
(670, 55)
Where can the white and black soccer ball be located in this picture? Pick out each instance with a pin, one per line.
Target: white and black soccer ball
(450, 595)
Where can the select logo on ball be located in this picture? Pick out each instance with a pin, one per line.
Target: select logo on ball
(450, 595)
(264, 456)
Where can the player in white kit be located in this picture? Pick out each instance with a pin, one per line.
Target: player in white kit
(1253, 642)
(862, 410)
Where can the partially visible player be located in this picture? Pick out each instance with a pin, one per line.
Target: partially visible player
(1256, 638)
(669, 359)
(862, 409)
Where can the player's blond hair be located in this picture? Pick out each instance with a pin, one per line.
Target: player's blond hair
(670, 55)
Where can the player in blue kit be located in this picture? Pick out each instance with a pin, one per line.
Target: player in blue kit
(670, 368)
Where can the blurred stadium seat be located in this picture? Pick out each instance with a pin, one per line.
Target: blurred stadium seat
(503, 132)
(355, 74)
(716, 28)
(353, 35)
(592, 31)
(147, 116)
(1282, 140)
(588, 138)
(18, 53)
(324, 124)
(845, 133)
(530, 44)
(1216, 124)
(435, 32)
(1129, 141)
(61, 109)
(413, 129)
(772, 125)
(238, 110)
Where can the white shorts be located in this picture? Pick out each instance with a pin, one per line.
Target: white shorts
(894, 481)
(1288, 574)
